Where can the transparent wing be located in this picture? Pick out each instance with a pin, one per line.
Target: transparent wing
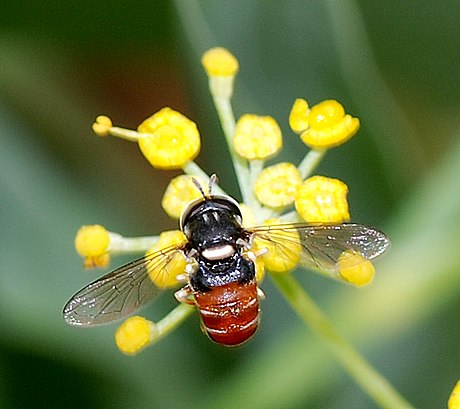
(319, 246)
(120, 292)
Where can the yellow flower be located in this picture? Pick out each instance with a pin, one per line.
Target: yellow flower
(221, 67)
(179, 193)
(277, 185)
(257, 137)
(355, 269)
(170, 139)
(92, 243)
(167, 139)
(324, 126)
(454, 399)
(134, 334)
(323, 200)
(102, 125)
(280, 258)
(165, 277)
(298, 118)
(219, 62)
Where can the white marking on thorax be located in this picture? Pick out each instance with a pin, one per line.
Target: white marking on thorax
(218, 252)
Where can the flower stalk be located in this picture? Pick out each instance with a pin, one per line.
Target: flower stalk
(172, 320)
(311, 161)
(369, 379)
(227, 119)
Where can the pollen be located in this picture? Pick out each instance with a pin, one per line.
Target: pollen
(322, 200)
(134, 334)
(257, 137)
(220, 62)
(170, 139)
(179, 193)
(323, 126)
(92, 243)
(454, 399)
(283, 253)
(165, 275)
(277, 185)
(355, 269)
(102, 125)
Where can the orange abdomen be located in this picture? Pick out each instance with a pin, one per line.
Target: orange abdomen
(230, 313)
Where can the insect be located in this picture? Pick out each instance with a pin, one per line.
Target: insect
(220, 275)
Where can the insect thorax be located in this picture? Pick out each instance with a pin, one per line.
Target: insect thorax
(217, 273)
(212, 223)
(214, 232)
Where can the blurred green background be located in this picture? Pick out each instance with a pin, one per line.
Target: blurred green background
(393, 64)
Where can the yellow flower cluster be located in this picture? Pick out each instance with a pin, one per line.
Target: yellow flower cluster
(324, 126)
(169, 140)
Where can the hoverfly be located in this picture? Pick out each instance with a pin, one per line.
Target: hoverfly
(220, 270)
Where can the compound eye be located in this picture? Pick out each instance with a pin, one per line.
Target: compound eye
(217, 203)
(192, 205)
(230, 203)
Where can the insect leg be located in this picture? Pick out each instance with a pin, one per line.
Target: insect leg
(185, 295)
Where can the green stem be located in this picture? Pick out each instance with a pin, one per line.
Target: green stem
(171, 321)
(310, 162)
(255, 168)
(371, 381)
(227, 120)
(128, 134)
(127, 245)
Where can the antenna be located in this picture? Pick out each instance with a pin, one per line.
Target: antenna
(199, 187)
(212, 182)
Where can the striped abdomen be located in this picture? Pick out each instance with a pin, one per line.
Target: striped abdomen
(230, 313)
